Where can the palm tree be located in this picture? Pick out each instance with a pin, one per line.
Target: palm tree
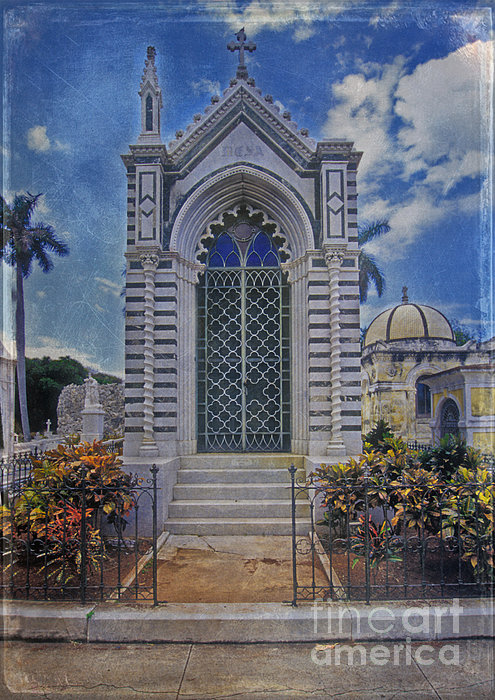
(369, 272)
(22, 243)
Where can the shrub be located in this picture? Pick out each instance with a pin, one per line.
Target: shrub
(378, 434)
(383, 544)
(46, 516)
(445, 494)
(449, 456)
(469, 518)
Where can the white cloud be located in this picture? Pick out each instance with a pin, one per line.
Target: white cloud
(304, 32)
(51, 347)
(440, 106)
(106, 285)
(42, 208)
(441, 111)
(205, 86)
(258, 15)
(37, 140)
(364, 114)
(407, 220)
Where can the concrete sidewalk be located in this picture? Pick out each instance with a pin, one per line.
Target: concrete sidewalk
(248, 622)
(445, 671)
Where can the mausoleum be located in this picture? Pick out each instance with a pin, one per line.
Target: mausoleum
(242, 300)
(422, 383)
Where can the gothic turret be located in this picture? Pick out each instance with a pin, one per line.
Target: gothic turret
(151, 101)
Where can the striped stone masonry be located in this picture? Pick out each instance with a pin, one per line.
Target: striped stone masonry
(319, 345)
(151, 349)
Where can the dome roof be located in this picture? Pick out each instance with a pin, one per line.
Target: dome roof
(408, 322)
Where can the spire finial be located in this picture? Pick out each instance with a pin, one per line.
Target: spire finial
(241, 46)
(405, 298)
(151, 100)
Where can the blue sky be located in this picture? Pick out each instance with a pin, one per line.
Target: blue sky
(408, 82)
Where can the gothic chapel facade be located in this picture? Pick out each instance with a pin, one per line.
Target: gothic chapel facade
(242, 299)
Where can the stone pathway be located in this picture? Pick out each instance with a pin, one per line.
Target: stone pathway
(230, 569)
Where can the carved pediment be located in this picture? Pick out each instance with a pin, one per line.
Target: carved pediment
(239, 102)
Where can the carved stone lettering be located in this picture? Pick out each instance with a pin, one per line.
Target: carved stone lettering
(242, 151)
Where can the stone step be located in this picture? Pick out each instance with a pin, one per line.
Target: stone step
(239, 475)
(237, 526)
(240, 508)
(226, 491)
(234, 460)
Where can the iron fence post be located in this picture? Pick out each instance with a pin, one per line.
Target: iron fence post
(154, 471)
(292, 472)
(367, 540)
(83, 536)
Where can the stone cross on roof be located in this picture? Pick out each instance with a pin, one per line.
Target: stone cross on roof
(241, 46)
(405, 298)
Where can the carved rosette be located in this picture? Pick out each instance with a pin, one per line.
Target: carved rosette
(149, 262)
(333, 259)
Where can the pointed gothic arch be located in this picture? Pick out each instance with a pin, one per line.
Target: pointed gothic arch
(226, 189)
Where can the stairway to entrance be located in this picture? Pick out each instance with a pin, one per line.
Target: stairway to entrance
(233, 494)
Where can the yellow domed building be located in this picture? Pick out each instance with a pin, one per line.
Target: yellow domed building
(416, 378)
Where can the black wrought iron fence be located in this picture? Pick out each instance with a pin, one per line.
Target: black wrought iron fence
(89, 540)
(15, 470)
(420, 446)
(380, 536)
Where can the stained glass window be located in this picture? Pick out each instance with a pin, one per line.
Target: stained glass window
(226, 252)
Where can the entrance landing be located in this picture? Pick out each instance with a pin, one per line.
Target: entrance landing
(230, 569)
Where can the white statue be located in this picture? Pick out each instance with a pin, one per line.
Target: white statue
(91, 397)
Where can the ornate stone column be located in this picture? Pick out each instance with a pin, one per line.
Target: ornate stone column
(149, 261)
(333, 258)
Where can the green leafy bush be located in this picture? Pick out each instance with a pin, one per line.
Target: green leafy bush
(449, 456)
(445, 493)
(67, 485)
(377, 435)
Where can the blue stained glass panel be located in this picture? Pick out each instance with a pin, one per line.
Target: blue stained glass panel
(261, 244)
(224, 245)
(215, 260)
(271, 260)
(261, 252)
(253, 260)
(233, 260)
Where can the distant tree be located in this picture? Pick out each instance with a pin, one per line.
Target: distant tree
(45, 379)
(362, 335)
(369, 272)
(22, 244)
(463, 334)
(103, 378)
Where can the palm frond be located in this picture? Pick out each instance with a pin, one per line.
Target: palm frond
(369, 272)
(369, 230)
(24, 242)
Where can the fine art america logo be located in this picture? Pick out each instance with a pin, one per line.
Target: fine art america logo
(419, 622)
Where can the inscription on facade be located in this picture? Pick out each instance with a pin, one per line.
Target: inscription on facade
(242, 151)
